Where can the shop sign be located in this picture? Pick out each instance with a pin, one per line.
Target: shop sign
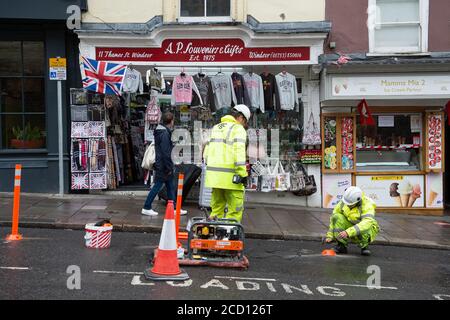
(204, 51)
(395, 85)
(333, 188)
(57, 68)
(397, 191)
(435, 190)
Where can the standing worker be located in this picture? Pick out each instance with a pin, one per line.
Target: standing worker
(353, 219)
(163, 166)
(225, 157)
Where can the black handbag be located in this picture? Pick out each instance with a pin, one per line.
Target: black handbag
(310, 185)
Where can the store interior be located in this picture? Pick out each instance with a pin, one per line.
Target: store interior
(127, 130)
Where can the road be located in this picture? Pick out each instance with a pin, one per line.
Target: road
(38, 267)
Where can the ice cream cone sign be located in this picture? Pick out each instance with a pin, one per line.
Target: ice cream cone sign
(434, 192)
(405, 189)
(415, 194)
(393, 193)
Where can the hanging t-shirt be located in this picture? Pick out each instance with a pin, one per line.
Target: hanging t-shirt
(287, 91)
(239, 88)
(204, 87)
(270, 90)
(133, 81)
(155, 80)
(182, 90)
(222, 87)
(253, 83)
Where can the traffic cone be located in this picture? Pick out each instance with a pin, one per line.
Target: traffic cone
(328, 252)
(166, 267)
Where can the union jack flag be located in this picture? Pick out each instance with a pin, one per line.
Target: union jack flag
(101, 76)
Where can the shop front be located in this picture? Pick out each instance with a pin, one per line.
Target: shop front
(225, 65)
(30, 36)
(384, 132)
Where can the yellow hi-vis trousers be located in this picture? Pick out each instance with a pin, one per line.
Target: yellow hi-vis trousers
(220, 198)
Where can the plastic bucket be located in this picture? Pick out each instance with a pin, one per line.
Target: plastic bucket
(98, 237)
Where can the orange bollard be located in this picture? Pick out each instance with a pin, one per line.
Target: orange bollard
(179, 201)
(15, 222)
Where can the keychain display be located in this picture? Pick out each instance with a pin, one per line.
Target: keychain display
(347, 143)
(434, 142)
(330, 152)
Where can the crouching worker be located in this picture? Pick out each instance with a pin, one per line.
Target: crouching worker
(353, 219)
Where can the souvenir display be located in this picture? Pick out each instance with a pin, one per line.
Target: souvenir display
(330, 151)
(110, 133)
(435, 141)
(347, 143)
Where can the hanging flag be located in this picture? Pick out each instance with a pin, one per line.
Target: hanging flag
(365, 114)
(101, 76)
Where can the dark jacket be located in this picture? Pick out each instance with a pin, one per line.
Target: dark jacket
(163, 153)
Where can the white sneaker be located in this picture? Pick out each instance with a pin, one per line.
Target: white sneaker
(183, 212)
(149, 212)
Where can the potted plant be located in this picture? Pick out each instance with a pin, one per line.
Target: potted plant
(27, 138)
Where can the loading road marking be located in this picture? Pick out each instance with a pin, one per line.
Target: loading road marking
(241, 278)
(364, 286)
(116, 272)
(14, 268)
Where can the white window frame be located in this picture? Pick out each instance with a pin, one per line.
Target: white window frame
(423, 36)
(205, 18)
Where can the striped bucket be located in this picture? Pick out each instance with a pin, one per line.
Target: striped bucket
(98, 237)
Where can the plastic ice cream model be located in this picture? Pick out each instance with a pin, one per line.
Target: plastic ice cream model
(393, 193)
(435, 189)
(330, 193)
(405, 189)
(416, 192)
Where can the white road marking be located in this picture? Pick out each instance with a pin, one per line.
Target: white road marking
(117, 272)
(364, 286)
(241, 278)
(137, 282)
(14, 268)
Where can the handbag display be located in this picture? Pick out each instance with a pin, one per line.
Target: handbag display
(311, 136)
(282, 178)
(268, 180)
(310, 185)
(149, 157)
(153, 112)
(297, 178)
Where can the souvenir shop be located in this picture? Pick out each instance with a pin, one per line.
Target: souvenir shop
(390, 142)
(199, 81)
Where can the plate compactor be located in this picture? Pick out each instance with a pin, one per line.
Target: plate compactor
(216, 243)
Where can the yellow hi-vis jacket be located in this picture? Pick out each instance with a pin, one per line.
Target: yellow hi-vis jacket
(225, 154)
(361, 218)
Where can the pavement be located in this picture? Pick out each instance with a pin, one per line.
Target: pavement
(259, 221)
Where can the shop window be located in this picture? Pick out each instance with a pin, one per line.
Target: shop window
(398, 26)
(394, 143)
(338, 134)
(205, 10)
(22, 95)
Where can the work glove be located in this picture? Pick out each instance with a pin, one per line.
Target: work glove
(244, 180)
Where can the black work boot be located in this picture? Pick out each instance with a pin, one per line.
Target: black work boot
(365, 251)
(340, 248)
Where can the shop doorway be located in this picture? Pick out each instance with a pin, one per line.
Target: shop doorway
(128, 132)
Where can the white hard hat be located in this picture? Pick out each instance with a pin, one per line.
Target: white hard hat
(242, 108)
(352, 195)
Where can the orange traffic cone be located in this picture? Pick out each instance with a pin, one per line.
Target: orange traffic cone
(328, 252)
(166, 265)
